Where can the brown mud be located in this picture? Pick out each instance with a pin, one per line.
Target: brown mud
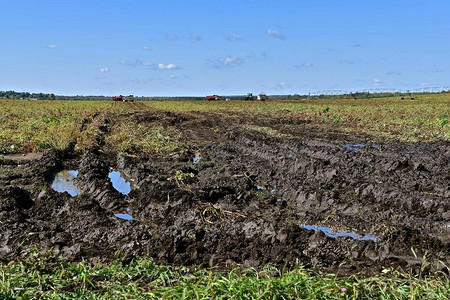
(254, 183)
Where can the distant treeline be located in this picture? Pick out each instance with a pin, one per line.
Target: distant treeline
(356, 95)
(26, 95)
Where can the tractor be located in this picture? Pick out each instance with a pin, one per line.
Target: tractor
(261, 97)
(249, 97)
(121, 98)
(213, 97)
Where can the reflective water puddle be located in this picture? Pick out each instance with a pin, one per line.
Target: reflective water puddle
(353, 147)
(335, 234)
(63, 182)
(272, 192)
(358, 147)
(196, 159)
(119, 183)
(124, 217)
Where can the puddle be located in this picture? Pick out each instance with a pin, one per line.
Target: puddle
(335, 234)
(273, 192)
(353, 147)
(124, 217)
(64, 182)
(196, 159)
(119, 183)
(413, 150)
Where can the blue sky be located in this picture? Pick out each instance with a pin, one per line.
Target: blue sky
(199, 47)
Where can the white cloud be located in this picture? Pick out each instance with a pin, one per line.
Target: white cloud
(143, 80)
(227, 61)
(104, 69)
(195, 38)
(167, 67)
(282, 85)
(393, 73)
(130, 62)
(234, 37)
(171, 37)
(145, 48)
(275, 34)
(52, 47)
(171, 76)
(304, 65)
(135, 62)
(377, 82)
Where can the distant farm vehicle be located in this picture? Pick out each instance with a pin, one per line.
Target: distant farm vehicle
(213, 97)
(261, 97)
(249, 97)
(409, 95)
(129, 98)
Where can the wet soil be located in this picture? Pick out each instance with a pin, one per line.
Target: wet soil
(250, 199)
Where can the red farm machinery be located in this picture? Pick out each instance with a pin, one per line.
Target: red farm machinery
(213, 97)
(121, 98)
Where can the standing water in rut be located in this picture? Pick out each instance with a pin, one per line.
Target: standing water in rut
(119, 183)
(196, 158)
(340, 233)
(63, 182)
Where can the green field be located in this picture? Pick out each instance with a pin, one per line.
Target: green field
(38, 126)
(33, 126)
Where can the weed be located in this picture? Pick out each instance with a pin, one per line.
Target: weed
(267, 130)
(180, 177)
(135, 138)
(338, 120)
(444, 119)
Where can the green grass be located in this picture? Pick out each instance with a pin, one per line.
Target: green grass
(33, 126)
(135, 138)
(267, 130)
(427, 118)
(39, 277)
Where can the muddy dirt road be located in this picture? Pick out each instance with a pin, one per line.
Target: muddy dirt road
(246, 192)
